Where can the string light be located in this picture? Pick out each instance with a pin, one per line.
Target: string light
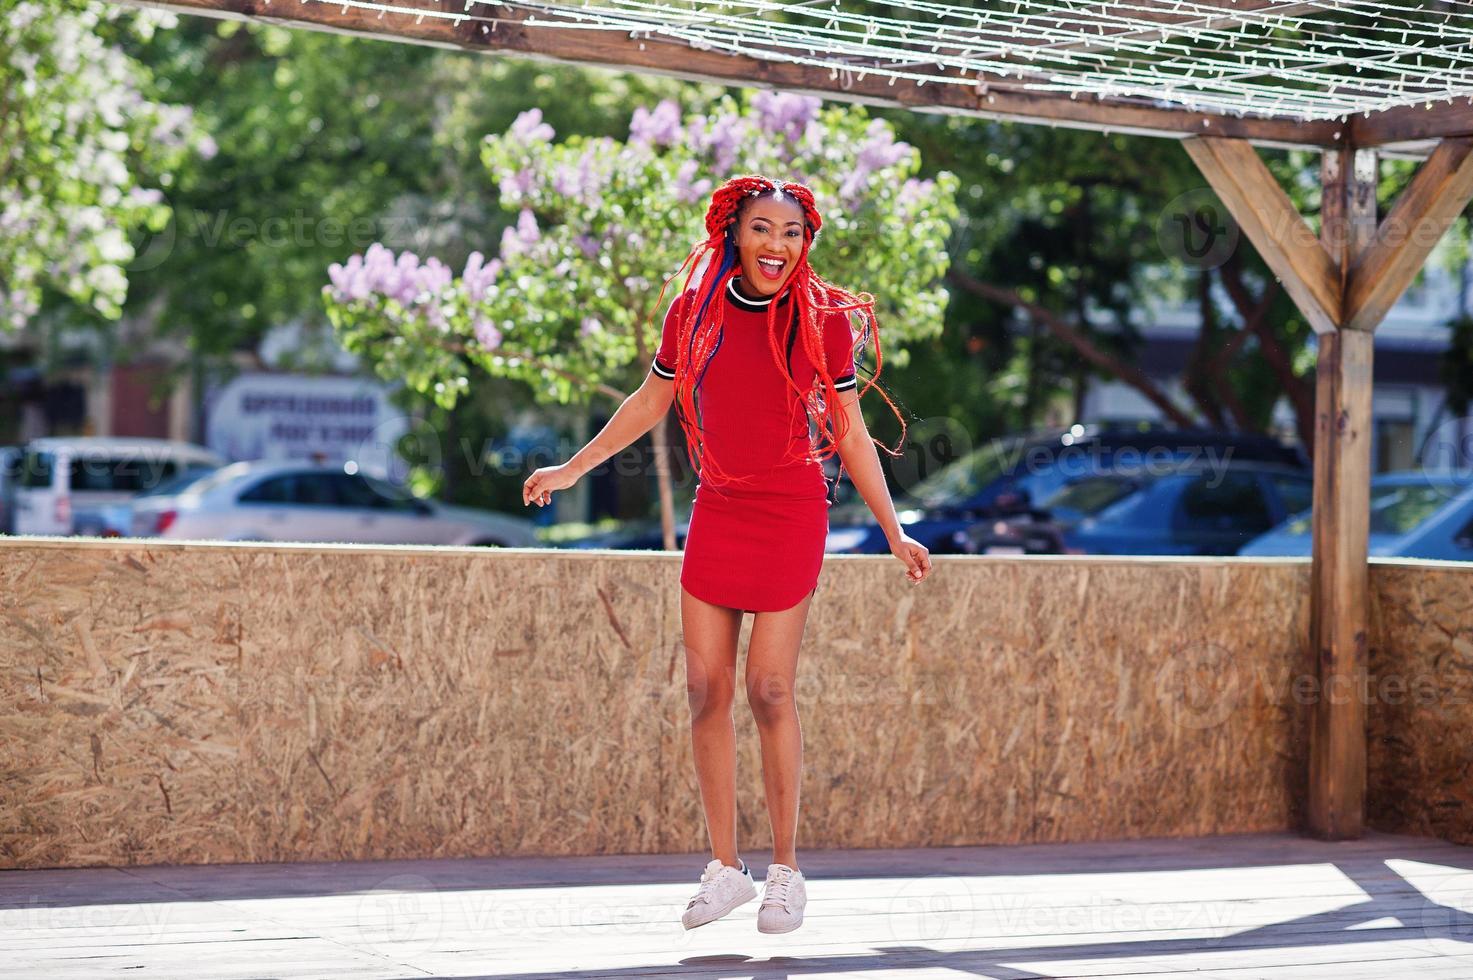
(1286, 59)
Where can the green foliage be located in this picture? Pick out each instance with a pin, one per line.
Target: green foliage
(77, 128)
(569, 305)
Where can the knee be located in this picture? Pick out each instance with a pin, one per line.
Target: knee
(709, 692)
(771, 699)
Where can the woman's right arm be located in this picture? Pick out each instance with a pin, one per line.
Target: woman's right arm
(635, 416)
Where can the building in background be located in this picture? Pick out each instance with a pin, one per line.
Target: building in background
(1410, 417)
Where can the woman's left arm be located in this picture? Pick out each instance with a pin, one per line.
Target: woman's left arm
(857, 452)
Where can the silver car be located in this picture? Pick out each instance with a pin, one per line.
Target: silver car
(302, 501)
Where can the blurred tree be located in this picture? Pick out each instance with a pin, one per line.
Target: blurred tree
(569, 304)
(77, 130)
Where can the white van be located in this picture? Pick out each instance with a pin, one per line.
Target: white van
(80, 484)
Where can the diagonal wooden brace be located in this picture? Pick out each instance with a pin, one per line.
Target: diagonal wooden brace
(1261, 208)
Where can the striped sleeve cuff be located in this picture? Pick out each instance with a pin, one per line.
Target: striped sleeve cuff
(667, 373)
(847, 381)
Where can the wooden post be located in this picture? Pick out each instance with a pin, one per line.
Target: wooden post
(1342, 475)
(1343, 280)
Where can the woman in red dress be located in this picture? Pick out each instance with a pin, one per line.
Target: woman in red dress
(758, 359)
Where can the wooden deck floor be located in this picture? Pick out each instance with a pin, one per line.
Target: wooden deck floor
(1272, 906)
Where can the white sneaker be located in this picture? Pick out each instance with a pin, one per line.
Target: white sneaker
(722, 889)
(784, 896)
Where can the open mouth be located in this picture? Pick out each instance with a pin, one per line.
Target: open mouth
(771, 268)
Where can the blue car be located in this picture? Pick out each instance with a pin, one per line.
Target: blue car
(1014, 475)
(1413, 515)
(1192, 509)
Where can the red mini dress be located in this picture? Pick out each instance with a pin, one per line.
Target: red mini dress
(757, 546)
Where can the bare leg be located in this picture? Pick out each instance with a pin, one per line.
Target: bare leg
(772, 665)
(710, 633)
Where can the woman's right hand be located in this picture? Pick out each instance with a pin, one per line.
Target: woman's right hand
(545, 480)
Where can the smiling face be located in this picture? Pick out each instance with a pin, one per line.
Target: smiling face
(769, 237)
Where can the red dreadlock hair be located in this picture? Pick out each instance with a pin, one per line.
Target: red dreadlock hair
(814, 299)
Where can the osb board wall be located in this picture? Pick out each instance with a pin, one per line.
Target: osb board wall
(182, 703)
(1420, 700)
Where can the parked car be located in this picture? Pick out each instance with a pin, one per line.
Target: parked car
(1413, 515)
(1022, 471)
(74, 485)
(645, 535)
(10, 457)
(302, 501)
(1194, 509)
(1026, 533)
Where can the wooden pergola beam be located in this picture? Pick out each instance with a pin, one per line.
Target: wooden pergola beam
(1344, 281)
(1421, 121)
(1341, 509)
(1261, 208)
(617, 51)
(1439, 191)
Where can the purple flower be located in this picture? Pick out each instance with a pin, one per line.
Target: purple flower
(588, 244)
(486, 332)
(350, 281)
(520, 238)
(479, 276)
(529, 127)
(725, 140)
(688, 190)
(912, 192)
(520, 183)
(881, 149)
(589, 326)
(662, 126)
(785, 113)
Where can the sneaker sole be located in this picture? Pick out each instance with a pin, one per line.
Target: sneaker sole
(735, 903)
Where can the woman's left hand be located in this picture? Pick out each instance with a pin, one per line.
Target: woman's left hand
(915, 555)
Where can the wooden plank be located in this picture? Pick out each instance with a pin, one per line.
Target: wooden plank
(1442, 187)
(1339, 578)
(1261, 208)
(1339, 574)
(617, 51)
(1418, 121)
(1348, 208)
(1250, 905)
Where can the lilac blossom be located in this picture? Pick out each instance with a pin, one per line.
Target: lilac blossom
(785, 113)
(725, 140)
(529, 127)
(589, 326)
(912, 192)
(686, 190)
(403, 279)
(486, 332)
(479, 276)
(881, 149)
(661, 127)
(520, 183)
(519, 239)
